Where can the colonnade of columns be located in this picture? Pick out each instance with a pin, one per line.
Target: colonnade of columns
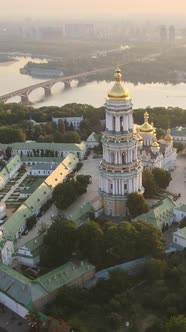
(119, 157)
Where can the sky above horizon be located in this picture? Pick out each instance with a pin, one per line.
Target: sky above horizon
(89, 8)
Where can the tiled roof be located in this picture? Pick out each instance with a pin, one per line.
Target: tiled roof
(44, 146)
(159, 214)
(63, 275)
(178, 131)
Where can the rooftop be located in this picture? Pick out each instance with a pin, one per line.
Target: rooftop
(44, 146)
(178, 131)
(159, 214)
(63, 275)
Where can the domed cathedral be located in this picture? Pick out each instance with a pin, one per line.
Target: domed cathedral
(153, 153)
(120, 169)
(168, 151)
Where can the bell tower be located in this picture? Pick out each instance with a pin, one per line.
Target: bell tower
(120, 170)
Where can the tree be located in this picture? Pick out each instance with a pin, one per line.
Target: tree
(8, 152)
(119, 242)
(161, 177)
(71, 137)
(179, 146)
(136, 204)
(90, 241)
(148, 239)
(149, 184)
(59, 243)
(64, 194)
(155, 269)
(57, 325)
(34, 320)
(31, 222)
(176, 324)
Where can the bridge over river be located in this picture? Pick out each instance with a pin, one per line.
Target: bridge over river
(47, 85)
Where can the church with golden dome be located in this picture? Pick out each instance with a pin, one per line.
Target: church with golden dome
(152, 152)
(120, 168)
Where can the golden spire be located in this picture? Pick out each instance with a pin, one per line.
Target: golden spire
(118, 75)
(146, 116)
(168, 136)
(146, 127)
(118, 91)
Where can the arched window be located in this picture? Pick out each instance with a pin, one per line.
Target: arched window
(121, 123)
(113, 123)
(112, 157)
(123, 157)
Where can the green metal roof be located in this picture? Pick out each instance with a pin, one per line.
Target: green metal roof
(178, 131)
(159, 214)
(4, 175)
(29, 189)
(45, 146)
(42, 159)
(39, 196)
(63, 275)
(14, 223)
(18, 287)
(45, 166)
(25, 291)
(13, 163)
(34, 246)
(70, 161)
(80, 215)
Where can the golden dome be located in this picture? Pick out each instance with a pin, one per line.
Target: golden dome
(155, 145)
(146, 127)
(118, 91)
(168, 137)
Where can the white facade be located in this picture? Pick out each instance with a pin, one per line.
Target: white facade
(74, 121)
(92, 141)
(179, 213)
(6, 249)
(179, 237)
(154, 154)
(120, 169)
(2, 210)
(13, 305)
(24, 256)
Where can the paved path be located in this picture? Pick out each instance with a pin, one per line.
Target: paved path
(90, 167)
(178, 183)
(14, 187)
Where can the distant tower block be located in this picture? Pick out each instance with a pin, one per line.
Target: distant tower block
(163, 33)
(120, 170)
(172, 34)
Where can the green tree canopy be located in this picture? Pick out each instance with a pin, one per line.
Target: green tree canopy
(59, 243)
(161, 177)
(176, 324)
(136, 204)
(149, 183)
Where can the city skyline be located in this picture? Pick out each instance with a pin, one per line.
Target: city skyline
(81, 9)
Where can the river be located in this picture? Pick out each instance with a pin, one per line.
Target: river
(93, 93)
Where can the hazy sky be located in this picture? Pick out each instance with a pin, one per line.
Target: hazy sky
(82, 8)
